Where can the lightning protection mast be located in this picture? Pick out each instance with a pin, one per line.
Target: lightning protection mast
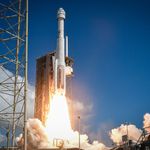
(14, 66)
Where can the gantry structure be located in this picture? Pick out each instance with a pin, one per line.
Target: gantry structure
(14, 67)
(44, 88)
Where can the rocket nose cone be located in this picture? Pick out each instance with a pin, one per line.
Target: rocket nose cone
(61, 13)
(61, 10)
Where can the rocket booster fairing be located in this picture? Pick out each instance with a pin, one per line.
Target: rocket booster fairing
(59, 62)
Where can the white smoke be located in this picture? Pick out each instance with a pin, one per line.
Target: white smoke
(38, 137)
(133, 133)
(36, 133)
(146, 122)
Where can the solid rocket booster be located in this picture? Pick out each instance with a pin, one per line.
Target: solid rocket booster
(59, 72)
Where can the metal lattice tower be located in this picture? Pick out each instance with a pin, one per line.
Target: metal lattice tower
(13, 65)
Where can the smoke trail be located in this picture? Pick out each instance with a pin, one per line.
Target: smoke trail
(132, 131)
(146, 122)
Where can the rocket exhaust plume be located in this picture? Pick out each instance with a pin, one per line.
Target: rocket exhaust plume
(58, 122)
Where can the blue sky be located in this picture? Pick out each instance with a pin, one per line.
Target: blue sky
(110, 43)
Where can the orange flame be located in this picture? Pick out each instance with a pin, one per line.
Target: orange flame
(58, 124)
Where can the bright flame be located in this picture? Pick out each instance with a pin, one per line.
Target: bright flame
(58, 124)
(58, 128)
(58, 132)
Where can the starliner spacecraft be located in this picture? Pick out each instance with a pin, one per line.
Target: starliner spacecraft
(59, 61)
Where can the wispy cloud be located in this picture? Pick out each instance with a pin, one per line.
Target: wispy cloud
(6, 97)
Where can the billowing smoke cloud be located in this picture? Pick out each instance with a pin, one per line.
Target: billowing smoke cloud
(146, 122)
(133, 133)
(38, 137)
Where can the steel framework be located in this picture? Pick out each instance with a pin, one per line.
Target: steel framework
(14, 66)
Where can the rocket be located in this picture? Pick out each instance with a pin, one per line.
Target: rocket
(59, 60)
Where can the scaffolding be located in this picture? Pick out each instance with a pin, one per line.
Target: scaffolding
(14, 66)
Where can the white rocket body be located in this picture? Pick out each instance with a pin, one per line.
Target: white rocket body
(59, 62)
